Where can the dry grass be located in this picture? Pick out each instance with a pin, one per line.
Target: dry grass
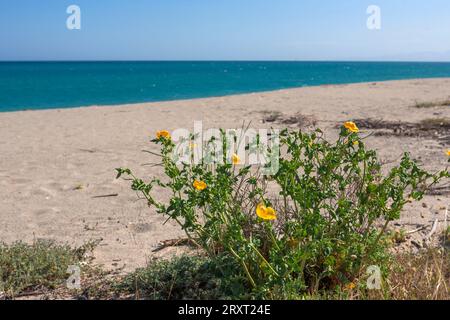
(430, 128)
(436, 124)
(298, 119)
(422, 105)
(271, 116)
(423, 276)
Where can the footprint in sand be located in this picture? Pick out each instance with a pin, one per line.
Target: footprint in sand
(55, 186)
(20, 181)
(141, 227)
(44, 192)
(48, 211)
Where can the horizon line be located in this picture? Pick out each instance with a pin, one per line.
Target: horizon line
(226, 60)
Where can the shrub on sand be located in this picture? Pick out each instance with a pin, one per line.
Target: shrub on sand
(324, 227)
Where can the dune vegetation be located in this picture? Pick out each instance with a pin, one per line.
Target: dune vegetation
(317, 228)
(324, 230)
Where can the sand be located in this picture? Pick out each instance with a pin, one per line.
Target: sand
(54, 162)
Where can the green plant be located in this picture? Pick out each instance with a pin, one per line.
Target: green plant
(421, 276)
(41, 265)
(398, 235)
(323, 226)
(186, 277)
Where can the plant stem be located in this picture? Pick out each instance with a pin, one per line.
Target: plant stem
(247, 272)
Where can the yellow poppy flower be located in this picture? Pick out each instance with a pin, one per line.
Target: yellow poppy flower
(356, 143)
(266, 213)
(350, 286)
(235, 159)
(199, 185)
(163, 134)
(448, 152)
(351, 126)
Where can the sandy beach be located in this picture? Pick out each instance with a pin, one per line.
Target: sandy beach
(56, 164)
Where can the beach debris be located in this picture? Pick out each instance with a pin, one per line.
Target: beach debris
(78, 187)
(416, 244)
(433, 229)
(174, 243)
(416, 230)
(421, 105)
(88, 150)
(446, 227)
(106, 196)
(445, 218)
(439, 191)
(272, 116)
(301, 120)
(87, 227)
(435, 128)
(298, 119)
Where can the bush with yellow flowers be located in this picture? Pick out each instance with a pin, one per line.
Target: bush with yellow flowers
(324, 225)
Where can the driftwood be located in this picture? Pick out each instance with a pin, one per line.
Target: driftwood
(433, 229)
(416, 230)
(106, 196)
(439, 191)
(445, 218)
(434, 128)
(35, 293)
(174, 243)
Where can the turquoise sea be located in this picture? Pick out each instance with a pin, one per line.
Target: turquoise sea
(48, 85)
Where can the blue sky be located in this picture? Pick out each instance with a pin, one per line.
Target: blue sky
(224, 30)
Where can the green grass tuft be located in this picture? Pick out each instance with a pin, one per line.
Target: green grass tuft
(186, 277)
(38, 266)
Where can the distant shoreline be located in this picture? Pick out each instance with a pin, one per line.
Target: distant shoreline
(131, 104)
(220, 96)
(256, 61)
(61, 85)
